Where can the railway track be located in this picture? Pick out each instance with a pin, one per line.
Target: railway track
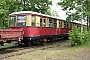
(16, 50)
(12, 51)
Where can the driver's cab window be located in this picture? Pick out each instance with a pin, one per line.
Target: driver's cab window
(12, 20)
(21, 20)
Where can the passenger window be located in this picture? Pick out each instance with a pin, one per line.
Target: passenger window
(55, 23)
(60, 24)
(65, 24)
(33, 21)
(75, 24)
(40, 22)
(70, 25)
(50, 23)
(44, 23)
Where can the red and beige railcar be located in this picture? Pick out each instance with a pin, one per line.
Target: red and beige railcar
(38, 28)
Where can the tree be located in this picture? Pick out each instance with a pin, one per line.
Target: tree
(81, 8)
(54, 13)
(9, 6)
(76, 38)
(48, 12)
(40, 6)
(3, 19)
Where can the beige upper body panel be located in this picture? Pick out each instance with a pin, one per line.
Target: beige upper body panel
(28, 21)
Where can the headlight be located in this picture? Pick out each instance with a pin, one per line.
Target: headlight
(22, 32)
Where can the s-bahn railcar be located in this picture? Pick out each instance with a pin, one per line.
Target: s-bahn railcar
(39, 28)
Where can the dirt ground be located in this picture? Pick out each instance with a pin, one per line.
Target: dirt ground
(83, 54)
(52, 51)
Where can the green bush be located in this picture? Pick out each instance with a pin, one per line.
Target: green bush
(76, 38)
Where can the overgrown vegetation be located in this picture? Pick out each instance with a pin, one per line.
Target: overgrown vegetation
(78, 38)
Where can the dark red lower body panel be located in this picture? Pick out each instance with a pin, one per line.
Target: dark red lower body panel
(38, 35)
(42, 31)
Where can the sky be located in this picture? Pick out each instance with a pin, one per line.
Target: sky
(60, 12)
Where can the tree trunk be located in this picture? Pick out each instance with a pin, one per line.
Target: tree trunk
(88, 17)
(87, 23)
(89, 27)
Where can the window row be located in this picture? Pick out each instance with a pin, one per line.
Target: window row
(44, 22)
(48, 23)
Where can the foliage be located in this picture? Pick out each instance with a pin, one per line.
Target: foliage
(54, 13)
(7, 7)
(3, 19)
(85, 35)
(78, 6)
(76, 38)
(48, 12)
(40, 6)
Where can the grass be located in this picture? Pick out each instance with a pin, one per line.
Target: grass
(6, 45)
(74, 59)
(77, 48)
(72, 51)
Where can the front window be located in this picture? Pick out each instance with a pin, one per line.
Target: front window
(17, 21)
(12, 21)
(21, 20)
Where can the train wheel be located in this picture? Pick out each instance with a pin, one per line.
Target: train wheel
(28, 43)
(51, 40)
(37, 42)
(2, 43)
(19, 43)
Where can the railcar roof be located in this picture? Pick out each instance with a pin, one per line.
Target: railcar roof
(30, 12)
